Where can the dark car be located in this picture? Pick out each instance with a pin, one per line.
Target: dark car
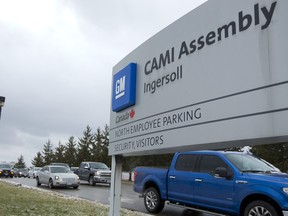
(15, 170)
(6, 170)
(22, 172)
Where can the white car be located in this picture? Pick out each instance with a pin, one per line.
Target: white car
(57, 176)
(33, 172)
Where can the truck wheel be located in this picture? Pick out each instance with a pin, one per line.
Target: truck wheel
(91, 181)
(260, 208)
(152, 200)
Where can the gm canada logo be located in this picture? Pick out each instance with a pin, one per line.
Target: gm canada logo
(124, 88)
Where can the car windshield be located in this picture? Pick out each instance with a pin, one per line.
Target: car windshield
(5, 166)
(98, 166)
(60, 169)
(61, 164)
(249, 163)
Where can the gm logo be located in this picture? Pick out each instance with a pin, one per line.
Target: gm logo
(124, 88)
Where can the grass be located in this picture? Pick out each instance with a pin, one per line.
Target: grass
(17, 200)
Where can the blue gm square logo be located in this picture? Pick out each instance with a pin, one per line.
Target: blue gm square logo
(124, 88)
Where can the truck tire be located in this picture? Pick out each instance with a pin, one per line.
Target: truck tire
(152, 200)
(260, 208)
(91, 180)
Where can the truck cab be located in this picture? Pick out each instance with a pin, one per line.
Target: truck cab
(94, 172)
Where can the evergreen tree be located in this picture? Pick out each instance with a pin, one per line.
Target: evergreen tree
(276, 154)
(96, 150)
(59, 153)
(20, 163)
(85, 145)
(105, 147)
(71, 152)
(48, 153)
(38, 160)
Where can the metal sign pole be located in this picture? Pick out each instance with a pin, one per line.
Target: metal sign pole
(115, 189)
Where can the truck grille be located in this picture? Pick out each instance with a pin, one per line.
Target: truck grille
(105, 174)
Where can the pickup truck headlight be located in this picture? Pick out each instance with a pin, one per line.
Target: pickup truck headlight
(285, 190)
(97, 173)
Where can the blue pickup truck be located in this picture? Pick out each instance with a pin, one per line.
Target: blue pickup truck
(229, 183)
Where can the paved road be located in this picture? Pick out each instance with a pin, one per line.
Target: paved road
(100, 193)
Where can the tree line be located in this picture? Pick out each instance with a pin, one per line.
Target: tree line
(93, 146)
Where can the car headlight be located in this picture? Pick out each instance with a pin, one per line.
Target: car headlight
(57, 178)
(77, 177)
(97, 173)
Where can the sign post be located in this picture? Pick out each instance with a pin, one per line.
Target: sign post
(205, 82)
(115, 190)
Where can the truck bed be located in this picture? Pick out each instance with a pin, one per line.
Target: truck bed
(149, 175)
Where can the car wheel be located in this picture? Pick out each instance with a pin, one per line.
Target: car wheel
(38, 182)
(75, 187)
(152, 200)
(91, 181)
(50, 184)
(260, 208)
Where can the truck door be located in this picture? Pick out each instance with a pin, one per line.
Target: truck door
(210, 190)
(86, 171)
(180, 179)
(81, 170)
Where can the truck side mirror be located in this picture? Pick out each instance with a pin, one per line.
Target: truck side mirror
(221, 172)
(86, 167)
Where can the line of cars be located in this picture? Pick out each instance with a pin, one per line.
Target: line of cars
(61, 175)
(6, 170)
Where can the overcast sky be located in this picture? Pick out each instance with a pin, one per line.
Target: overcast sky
(56, 59)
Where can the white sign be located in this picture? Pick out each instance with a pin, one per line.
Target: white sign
(215, 78)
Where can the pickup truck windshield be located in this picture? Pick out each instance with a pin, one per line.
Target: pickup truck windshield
(249, 163)
(98, 166)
